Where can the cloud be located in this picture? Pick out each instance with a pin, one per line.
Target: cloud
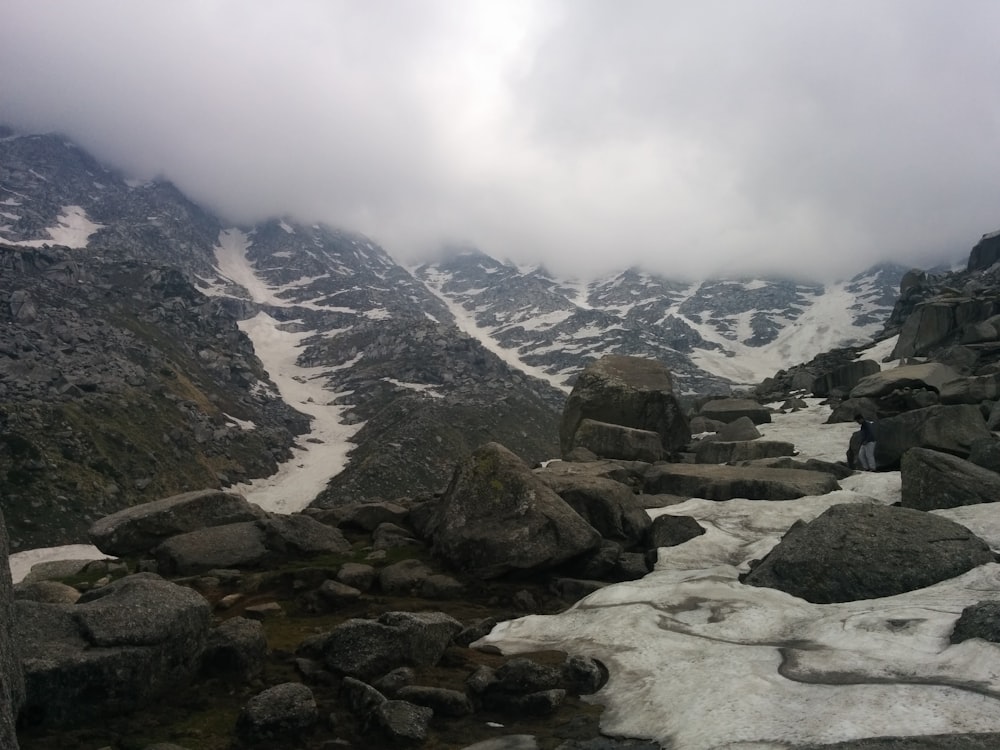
(688, 137)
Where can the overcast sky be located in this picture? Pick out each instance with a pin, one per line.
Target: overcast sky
(687, 136)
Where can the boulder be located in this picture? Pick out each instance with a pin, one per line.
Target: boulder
(609, 506)
(932, 480)
(739, 429)
(11, 678)
(627, 391)
(714, 482)
(120, 647)
(403, 722)
(845, 377)
(848, 410)
(279, 714)
(730, 409)
(442, 701)
(980, 620)
(854, 551)
(700, 424)
(929, 375)
(720, 452)
(929, 324)
(236, 649)
(972, 390)
(669, 531)
(949, 429)
(615, 441)
(236, 545)
(369, 648)
(986, 453)
(299, 535)
(985, 253)
(837, 470)
(496, 516)
(136, 530)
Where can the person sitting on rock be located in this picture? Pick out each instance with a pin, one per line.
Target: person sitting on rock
(866, 453)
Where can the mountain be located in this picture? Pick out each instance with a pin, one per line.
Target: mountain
(148, 347)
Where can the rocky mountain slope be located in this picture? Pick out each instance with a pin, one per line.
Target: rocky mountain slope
(148, 347)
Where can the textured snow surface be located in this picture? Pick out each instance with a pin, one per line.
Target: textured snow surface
(73, 229)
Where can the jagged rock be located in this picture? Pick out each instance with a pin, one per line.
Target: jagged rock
(669, 530)
(932, 480)
(11, 677)
(119, 648)
(608, 440)
(739, 429)
(607, 505)
(719, 452)
(442, 701)
(716, 482)
(497, 516)
(846, 376)
(980, 620)
(368, 648)
(930, 375)
(279, 714)
(627, 391)
(402, 721)
(853, 552)
(730, 409)
(138, 529)
(949, 429)
(237, 648)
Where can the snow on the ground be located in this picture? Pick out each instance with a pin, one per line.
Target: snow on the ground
(699, 661)
(73, 229)
(300, 479)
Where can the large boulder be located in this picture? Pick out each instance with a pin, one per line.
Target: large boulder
(971, 390)
(279, 714)
(932, 480)
(950, 429)
(609, 506)
(118, 648)
(713, 482)
(731, 409)
(136, 530)
(720, 452)
(854, 551)
(930, 375)
(11, 679)
(627, 391)
(985, 253)
(844, 376)
(496, 516)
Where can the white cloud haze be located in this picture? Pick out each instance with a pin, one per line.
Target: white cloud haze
(690, 137)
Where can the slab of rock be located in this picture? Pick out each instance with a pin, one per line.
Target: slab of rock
(138, 529)
(726, 482)
(853, 551)
(721, 452)
(930, 375)
(739, 429)
(615, 441)
(971, 390)
(609, 506)
(496, 516)
(11, 679)
(120, 647)
(235, 545)
(932, 480)
(627, 391)
(845, 377)
(730, 409)
(949, 429)
(298, 534)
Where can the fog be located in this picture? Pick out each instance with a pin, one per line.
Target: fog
(689, 137)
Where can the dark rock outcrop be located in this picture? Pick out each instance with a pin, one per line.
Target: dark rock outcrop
(497, 516)
(949, 429)
(853, 552)
(980, 620)
(627, 391)
(11, 679)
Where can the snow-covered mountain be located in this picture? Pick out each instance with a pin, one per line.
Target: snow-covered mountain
(712, 333)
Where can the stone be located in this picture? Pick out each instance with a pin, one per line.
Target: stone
(845, 376)
(138, 529)
(357, 575)
(980, 620)
(858, 551)
(716, 482)
(49, 592)
(608, 506)
(496, 516)
(279, 714)
(11, 677)
(949, 429)
(738, 430)
(669, 530)
(403, 722)
(606, 440)
(404, 578)
(730, 409)
(932, 480)
(443, 701)
(237, 648)
(971, 390)
(298, 535)
(986, 453)
(235, 545)
(719, 452)
(627, 391)
(929, 375)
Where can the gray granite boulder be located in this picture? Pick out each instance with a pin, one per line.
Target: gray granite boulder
(739, 429)
(138, 529)
(496, 516)
(854, 551)
(930, 375)
(609, 506)
(949, 429)
(11, 678)
(971, 390)
(627, 391)
(236, 649)
(118, 648)
(730, 409)
(280, 714)
(844, 376)
(932, 480)
(235, 545)
(980, 620)
(616, 441)
(721, 452)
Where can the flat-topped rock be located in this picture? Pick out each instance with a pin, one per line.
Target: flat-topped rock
(719, 482)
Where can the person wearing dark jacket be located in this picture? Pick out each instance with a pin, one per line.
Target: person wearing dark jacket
(866, 453)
